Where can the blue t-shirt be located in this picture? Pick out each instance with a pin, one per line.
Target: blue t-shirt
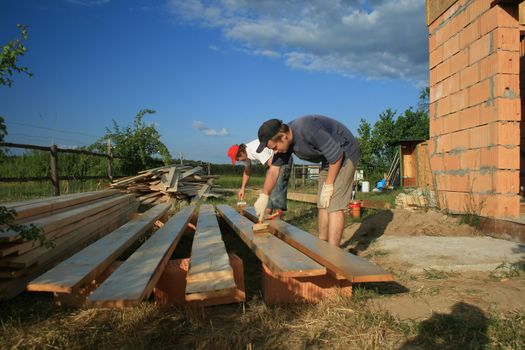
(320, 139)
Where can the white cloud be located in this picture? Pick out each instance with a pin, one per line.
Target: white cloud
(207, 131)
(89, 2)
(377, 39)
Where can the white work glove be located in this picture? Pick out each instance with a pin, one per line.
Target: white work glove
(260, 204)
(326, 194)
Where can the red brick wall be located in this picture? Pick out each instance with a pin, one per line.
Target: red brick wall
(475, 108)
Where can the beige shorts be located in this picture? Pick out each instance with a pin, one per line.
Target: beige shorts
(342, 187)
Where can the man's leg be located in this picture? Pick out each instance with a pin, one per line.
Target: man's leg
(278, 197)
(322, 224)
(336, 224)
(339, 203)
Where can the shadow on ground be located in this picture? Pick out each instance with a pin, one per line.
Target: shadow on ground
(465, 327)
(370, 229)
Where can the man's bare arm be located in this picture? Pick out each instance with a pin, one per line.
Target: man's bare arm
(271, 179)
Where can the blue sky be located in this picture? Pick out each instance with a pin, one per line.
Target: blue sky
(212, 70)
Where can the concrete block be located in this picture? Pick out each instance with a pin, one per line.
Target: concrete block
(451, 46)
(479, 92)
(171, 287)
(481, 182)
(302, 289)
(479, 49)
(469, 76)
(506, 39)
(469, 117)
(480, 136)
(469, 34)
(435, 57)
(459, 61)
(506, 181)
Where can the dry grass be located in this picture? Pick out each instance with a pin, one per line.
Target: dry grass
(32, 321)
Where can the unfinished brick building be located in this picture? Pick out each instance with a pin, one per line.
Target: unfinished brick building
(475, 49)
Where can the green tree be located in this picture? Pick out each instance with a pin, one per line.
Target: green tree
(8, 66)
(424, 100)
(365, 141)
(139, 143)
(9, 56)
(383, 139)
(379, 143)
(412, 125)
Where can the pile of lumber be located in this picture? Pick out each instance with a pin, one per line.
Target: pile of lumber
(296, 265)
(71, 222)
(154, 186)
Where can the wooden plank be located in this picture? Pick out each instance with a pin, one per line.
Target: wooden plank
(282, 259)
(41, 254)
(135, 278)
(120, 183)
(375, 204)
(210, 270)
(23, 247)
(13, 287)
(435, 8)
(149, 195)
(166, 179)
(163, 168)
(205, 189)
(302, 197)
(52, 222)
(152, 200)
(6, 272)
(88, 263)
(190, 172)
(40, 205)
(40, 210)
(174, 183)
(354, 268)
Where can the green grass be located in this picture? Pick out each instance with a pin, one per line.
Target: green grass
(433, 274)
(507, 270)
(236, 181)
(387, 196)
(36, 189)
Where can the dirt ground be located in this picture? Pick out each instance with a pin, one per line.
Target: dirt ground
(403, 242)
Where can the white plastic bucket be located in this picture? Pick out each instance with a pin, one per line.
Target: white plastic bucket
(365, 186)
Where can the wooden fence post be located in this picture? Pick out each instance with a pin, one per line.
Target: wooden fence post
(54, 170)
(293, 176)
(302, 175)
(110, 161)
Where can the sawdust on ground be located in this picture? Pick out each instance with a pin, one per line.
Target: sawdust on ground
(419, 295)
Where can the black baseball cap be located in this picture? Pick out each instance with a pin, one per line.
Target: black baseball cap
(267, 131)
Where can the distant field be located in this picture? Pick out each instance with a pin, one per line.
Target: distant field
(233, 181)
(14, 191)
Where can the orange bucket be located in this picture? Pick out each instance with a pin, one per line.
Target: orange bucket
(355, 209)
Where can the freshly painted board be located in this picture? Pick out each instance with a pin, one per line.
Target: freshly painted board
(354, 268)
(280, 257)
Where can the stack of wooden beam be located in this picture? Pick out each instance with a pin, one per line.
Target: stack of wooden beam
(154, 186)
(71, 222)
